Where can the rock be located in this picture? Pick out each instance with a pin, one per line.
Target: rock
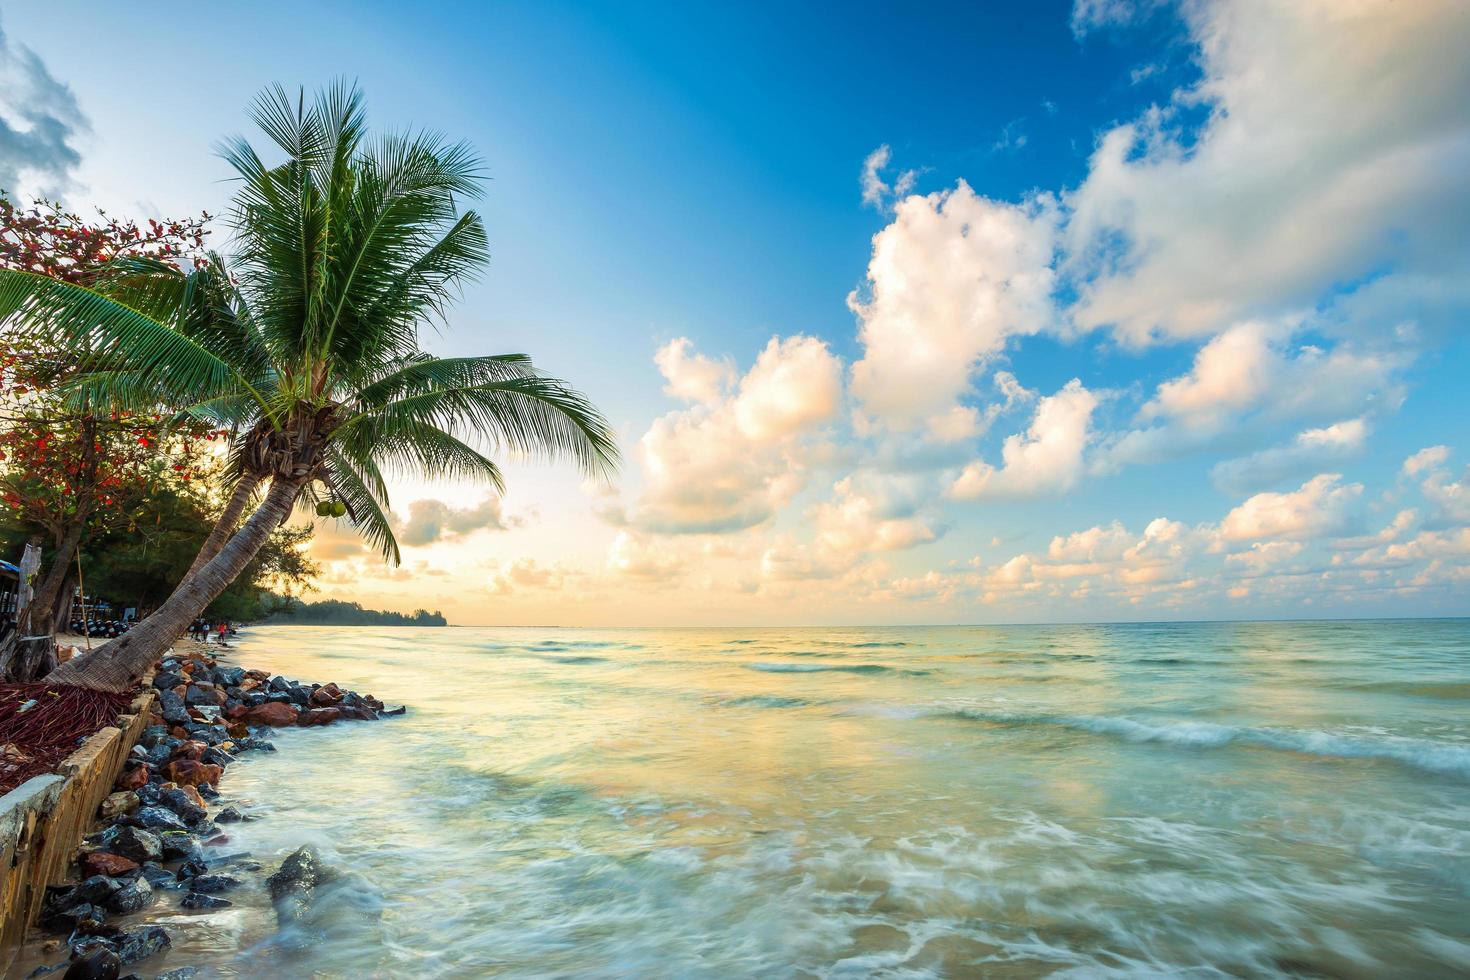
(319, 716)
(229, 815)
(159, 818)
(136, 894)
(294, 884)
(158, 876)
(254, 699)
(173, 708)
(187, 772)
(182, 973)
(181, 846)
(140, 845)
(183, 806)
(139, 944)
(401, 709)
(234, 712)
(133, 778)
(103, 964)
(216, 756)
(279, 683)
(211, 883)
(358, 712)
(191, 750)
(83, 916)
(301, 696)
(105, 863)
(229, 676)
(272, 713)
(167, 680)
(116, 804)
(328, 696)
(192, 869)
(195, 900)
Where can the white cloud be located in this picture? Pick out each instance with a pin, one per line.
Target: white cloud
(876, 190)
(733, 462)
(1431, 458)
(693, 377)
(40, 121)
(1247, 381)
(1336, 132)
(1318, 508)
(950, 280)
(1308, 452)
(1046, 458)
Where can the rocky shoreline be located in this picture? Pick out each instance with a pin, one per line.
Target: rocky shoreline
(162, 838)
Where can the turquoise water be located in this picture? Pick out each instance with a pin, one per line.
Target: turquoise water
(1196, 800)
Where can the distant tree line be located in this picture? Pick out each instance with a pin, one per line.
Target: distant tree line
(334, 612)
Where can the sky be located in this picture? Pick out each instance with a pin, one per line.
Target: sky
(968, 314)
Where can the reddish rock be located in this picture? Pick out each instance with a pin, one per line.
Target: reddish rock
(190, 750)
(258, 675)
(182, 690)
(194, 797)
(238, 729)
(272, 713)
(236, 711)
(187, 772)
(134, 778)
(320, 716)
(326, 696)
(178, 732)
(102, 863)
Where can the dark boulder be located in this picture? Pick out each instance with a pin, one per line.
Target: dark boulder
(139, 944)
(229, 814)
(80, 917)
(199, 695)
(158, 876)
(101, 964)
(183, 806)
(140, 845)
(216, 757)
(196, 900)
(180, 845)
(134, 895)
(192, 869)
(293, 887)
(229, 676)
(159, 818)
(210, 884)
(167, 680)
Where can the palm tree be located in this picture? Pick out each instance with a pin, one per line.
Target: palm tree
(306, 340)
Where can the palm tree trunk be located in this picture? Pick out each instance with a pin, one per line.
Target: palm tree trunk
(229, 519)
(117, 665)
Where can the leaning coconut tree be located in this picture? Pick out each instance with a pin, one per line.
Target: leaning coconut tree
(304, 338)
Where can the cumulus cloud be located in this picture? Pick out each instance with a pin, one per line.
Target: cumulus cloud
(1431, 458)
(40, 121)
(949, 281)
(873, 513)
(690, 376)
(731, 462)
(1316, 509)
(1250, 379)
(1334, 134)
(434, 520)
(1308, 452)
(1046, 458)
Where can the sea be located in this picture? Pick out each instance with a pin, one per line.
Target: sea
(1262, 799)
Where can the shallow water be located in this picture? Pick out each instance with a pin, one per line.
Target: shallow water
(1190, 800)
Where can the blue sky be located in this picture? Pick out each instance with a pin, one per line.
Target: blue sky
(1239, 228)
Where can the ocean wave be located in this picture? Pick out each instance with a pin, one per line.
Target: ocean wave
(762, 701)
(1440, 758)
(832, 668)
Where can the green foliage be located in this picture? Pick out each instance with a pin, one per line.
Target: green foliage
(308, 332)
(138, 562)
(333, 612)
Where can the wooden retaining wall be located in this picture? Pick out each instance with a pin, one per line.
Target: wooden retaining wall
(44, 819)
